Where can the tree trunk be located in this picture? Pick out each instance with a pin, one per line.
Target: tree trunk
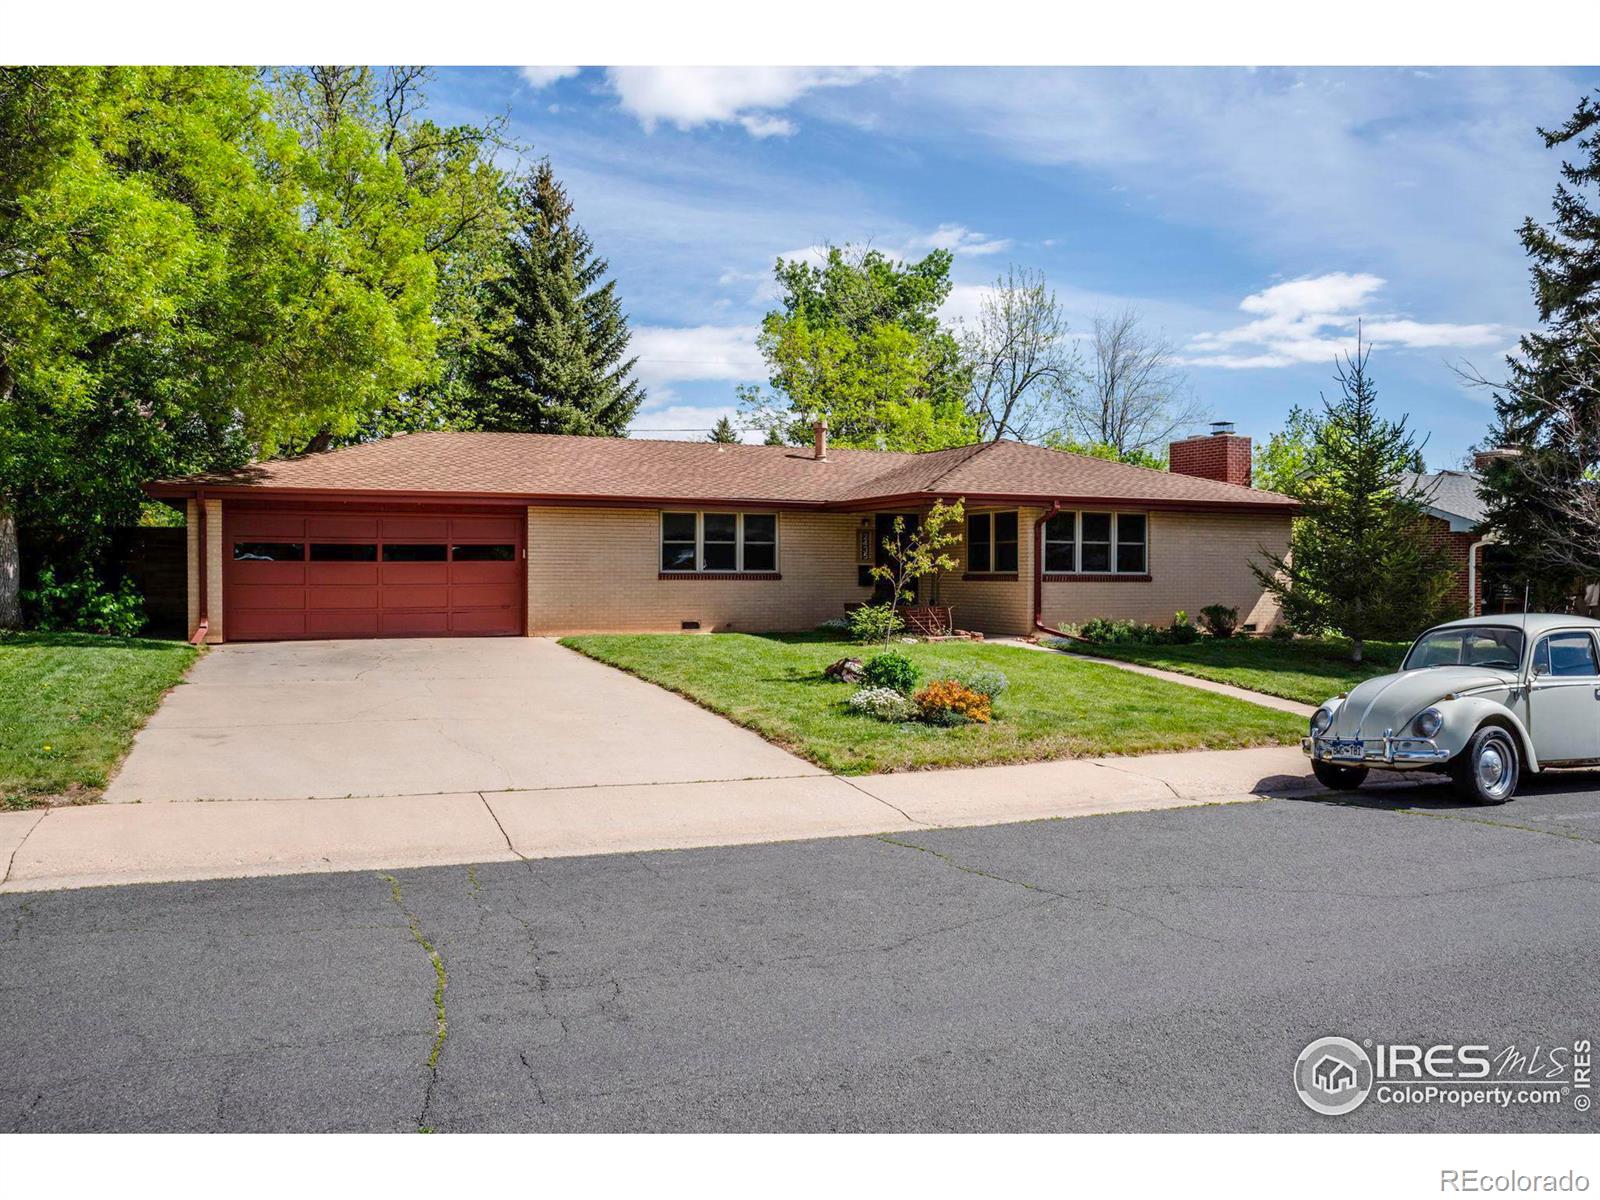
(10, 573)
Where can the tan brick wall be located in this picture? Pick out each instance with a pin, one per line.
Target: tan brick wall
(1195, 559)
(213, 565)
(594, 570)
(994, 606)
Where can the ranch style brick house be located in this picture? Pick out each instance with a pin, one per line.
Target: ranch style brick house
(445, 534)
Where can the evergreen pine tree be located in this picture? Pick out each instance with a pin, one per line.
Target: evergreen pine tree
(723, 432)
(1549, 408)
(1359, 562)
(553, 359)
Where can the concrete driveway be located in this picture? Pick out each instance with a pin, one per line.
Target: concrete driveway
(295, 720)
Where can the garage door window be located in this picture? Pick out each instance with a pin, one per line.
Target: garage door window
(343, 552)
(414, 552)
(269, 551)
(504, 552)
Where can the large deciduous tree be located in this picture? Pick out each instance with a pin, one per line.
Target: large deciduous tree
(1541, 498)
(858, 342)
(1360, 561)
(202, 265)
(554, 353)
(1138, 395)
(1025, 368)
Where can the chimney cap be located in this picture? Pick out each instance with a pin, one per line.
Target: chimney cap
(1221, 428)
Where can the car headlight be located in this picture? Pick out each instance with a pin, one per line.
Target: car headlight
(1320, 720)
(1428, 722)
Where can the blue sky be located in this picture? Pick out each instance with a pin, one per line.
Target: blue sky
(1251, 215)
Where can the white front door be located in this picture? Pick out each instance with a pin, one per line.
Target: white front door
(1564, 698)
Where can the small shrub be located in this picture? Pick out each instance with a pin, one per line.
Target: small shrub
(1281, 632)
(874, 623)
(1219, 620)
(1102, 631)
(885, 704)
(83, 605)
(983, 680)
(891, 669)
(946, 702)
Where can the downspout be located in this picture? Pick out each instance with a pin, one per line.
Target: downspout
(1472, 575)
(1038, 574)
(203, 566)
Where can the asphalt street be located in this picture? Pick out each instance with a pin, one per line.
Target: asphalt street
(1144, 971)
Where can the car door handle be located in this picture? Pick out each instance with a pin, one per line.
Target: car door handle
(1597, 693)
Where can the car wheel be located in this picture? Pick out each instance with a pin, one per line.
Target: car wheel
(1340, 779)
(1489, 768)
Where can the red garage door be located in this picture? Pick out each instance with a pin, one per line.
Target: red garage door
(337, 574)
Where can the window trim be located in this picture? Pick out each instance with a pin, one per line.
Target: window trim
(1112, 575)
(989, 571)
(700, 570)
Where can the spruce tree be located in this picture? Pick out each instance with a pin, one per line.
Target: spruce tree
(1359, 562)
(553, 359)
(723, 431)
(1548, 409)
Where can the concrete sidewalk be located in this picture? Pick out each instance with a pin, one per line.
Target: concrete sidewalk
(135, 843)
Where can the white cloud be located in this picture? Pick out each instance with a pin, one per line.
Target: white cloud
(540, 77)
(697, 352)
(688, 97)
(1313, 319)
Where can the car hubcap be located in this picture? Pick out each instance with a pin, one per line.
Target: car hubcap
(1494, 770)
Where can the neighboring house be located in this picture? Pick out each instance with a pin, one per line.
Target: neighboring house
(442, 534)
(1454, 518)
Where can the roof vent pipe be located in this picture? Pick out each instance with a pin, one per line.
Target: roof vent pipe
(819, 441)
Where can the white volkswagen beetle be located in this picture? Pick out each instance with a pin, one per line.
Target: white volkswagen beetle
(1483, 700)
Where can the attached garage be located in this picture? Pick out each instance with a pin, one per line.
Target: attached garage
(310, 573)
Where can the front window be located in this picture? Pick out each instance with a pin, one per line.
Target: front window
(992, 543)
(719, 542)
(1097, 543)
(1467, 646)
(1570, 654)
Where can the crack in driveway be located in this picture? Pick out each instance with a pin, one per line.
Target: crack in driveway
(441, 981)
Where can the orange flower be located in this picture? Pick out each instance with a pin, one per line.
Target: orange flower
(946, 695)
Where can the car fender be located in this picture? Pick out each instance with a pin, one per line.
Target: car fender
(1465, 716)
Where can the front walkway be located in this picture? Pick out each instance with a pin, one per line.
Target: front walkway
(132, 843)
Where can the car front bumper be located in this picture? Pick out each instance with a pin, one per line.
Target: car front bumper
(1392, 751)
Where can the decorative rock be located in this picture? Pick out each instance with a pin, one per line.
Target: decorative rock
(845, 670)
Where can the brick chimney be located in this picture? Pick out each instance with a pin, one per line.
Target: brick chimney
(819, 441)
(1222, 455)
(1483, 459)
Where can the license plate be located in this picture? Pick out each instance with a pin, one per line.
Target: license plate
(1347, 748)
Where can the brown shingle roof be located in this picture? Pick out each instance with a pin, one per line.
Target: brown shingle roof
(548, 466)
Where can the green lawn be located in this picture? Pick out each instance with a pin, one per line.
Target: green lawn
(70, 704)
(1056, 707)
(1306, 669)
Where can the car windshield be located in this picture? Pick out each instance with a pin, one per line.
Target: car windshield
(1467, 646)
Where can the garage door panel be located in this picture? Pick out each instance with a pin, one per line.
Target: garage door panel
(342, 624)
(502, 573)
(485, 529)
(413, 624)
(267, 525)
(416, 596)
(411, 573)
(264, 597)
(248, 626)
(483, 620)
(415, 529)
(342, 527)
(342, 597)
(333, 574)
(479, 595)
(249, 574)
